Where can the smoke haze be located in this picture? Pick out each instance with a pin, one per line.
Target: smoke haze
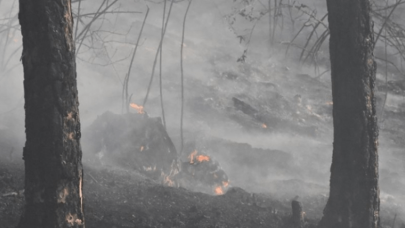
(290, 99)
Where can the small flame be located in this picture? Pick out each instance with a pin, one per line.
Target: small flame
(168, 182)
(191, 156)
(329, 102)
(219, 191)
(138, 108)
(264, 126)
(202, 158)
(225, 183)
(141, 149)
(166, 178)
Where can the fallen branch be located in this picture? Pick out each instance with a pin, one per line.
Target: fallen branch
(91, 176)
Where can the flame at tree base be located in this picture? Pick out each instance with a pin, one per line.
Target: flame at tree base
(169, 179)
(218, 190)
(138, 108)
(194, 158)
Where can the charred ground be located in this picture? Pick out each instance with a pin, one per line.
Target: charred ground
(121, 192)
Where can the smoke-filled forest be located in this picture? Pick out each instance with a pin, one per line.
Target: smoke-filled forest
(202, 113)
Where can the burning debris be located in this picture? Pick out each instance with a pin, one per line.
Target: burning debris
(194, 158)
(167, 180)
(280, 113)
(219, 191)
(138, 108)
(132, 141)
(141, 143)
(200, 172)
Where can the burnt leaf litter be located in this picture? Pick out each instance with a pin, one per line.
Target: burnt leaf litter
(122, 198)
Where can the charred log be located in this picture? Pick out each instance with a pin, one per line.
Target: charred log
(132, 140)
(244, 107)
(202, 173)
(136, 141)
(268, 122)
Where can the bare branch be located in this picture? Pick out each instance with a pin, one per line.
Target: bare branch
(182, 78)
(126, 82)
(157, 53)
(160, 68)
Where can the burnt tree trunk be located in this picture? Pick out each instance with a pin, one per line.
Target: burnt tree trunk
(354, 192)
(297, 217)
(52, 153)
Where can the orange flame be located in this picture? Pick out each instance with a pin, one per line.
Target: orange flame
(219, 191)
(141, 149)
(264, 126)
(202, 158)
(138, 108)
(191, 156)
(225, 183)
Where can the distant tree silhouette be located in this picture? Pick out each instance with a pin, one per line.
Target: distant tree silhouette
(52, 153)
(354, 191)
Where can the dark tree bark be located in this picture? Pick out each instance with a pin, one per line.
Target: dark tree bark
(297, 217)
(354, 192)
(52, 153)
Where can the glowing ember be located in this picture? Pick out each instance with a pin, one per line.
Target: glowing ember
(138, 108)
(329, 103)
(191, 156)
(225, 183)
(166, 179)
(168, 182)
(264, 126)
(219, 191)
(202, 158)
